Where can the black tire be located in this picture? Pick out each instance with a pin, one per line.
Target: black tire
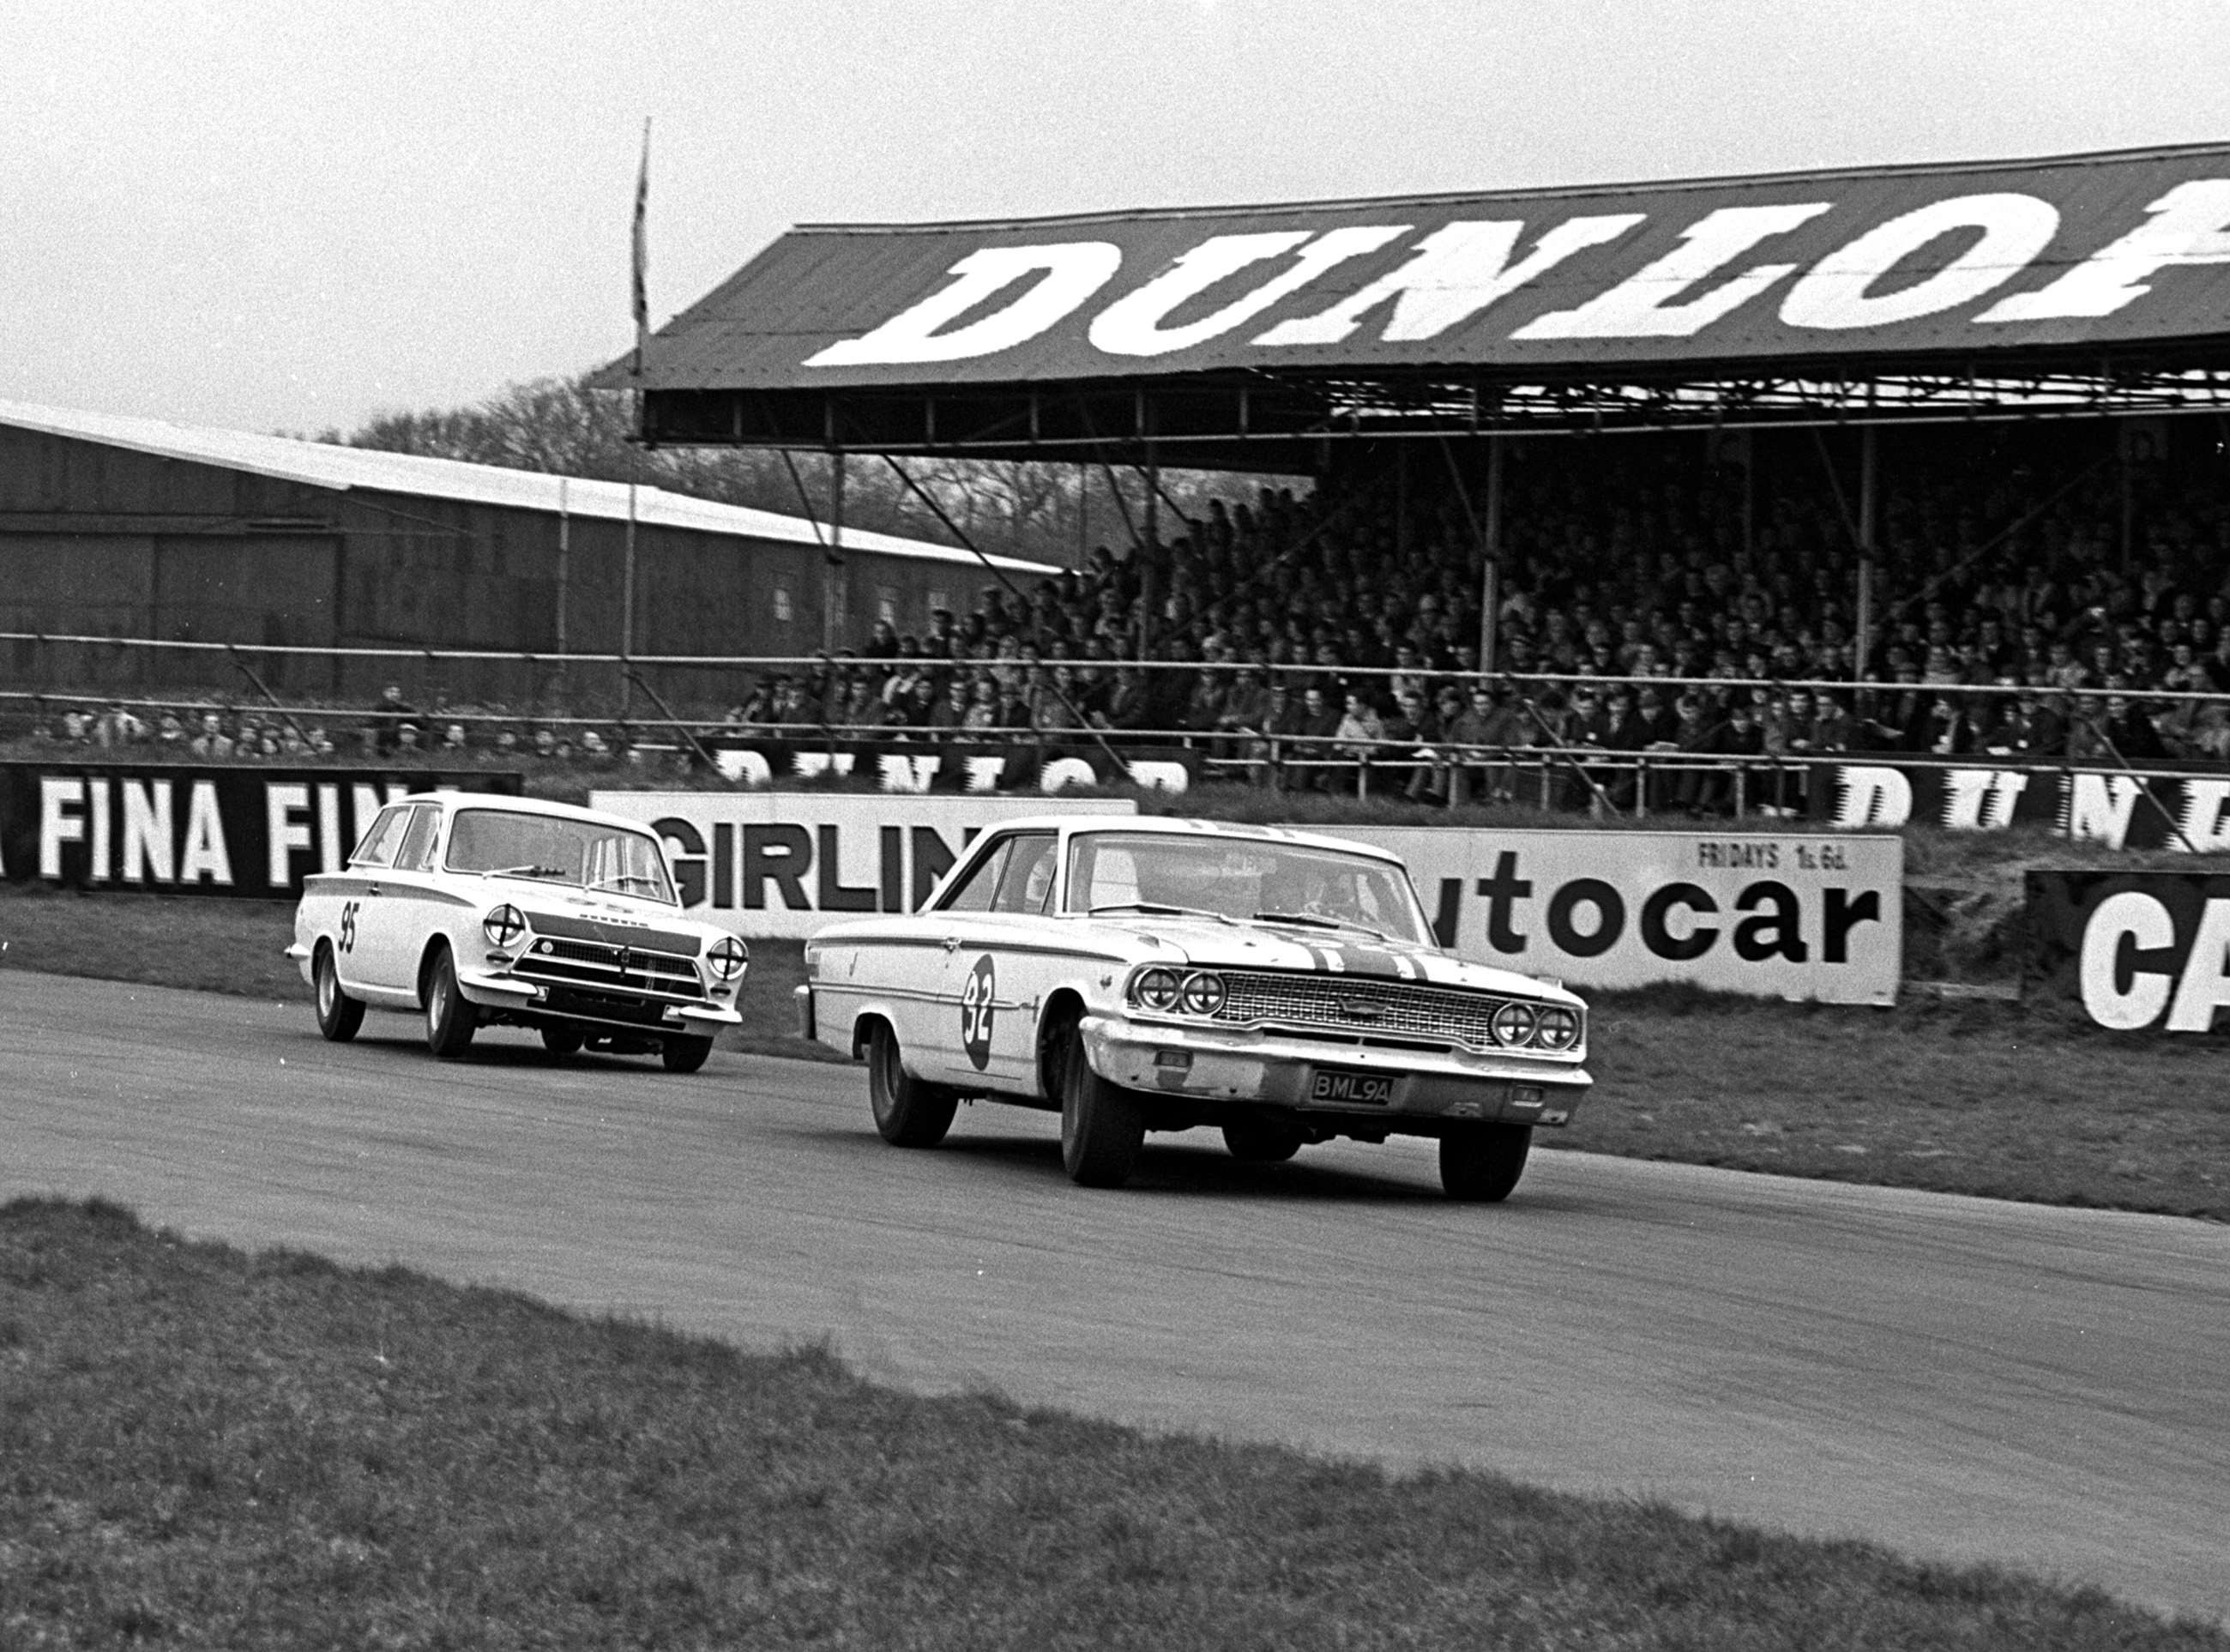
(685, 1054)
(909, 1112)
(1257, 1140)
(1102, 1126)
(338, 1015)
(450, 1018)
(562, 1041)
(1479, 1163)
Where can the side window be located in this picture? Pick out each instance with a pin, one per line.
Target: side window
(378, 846)
(976, 893)
(417, 851)
(1026, 879)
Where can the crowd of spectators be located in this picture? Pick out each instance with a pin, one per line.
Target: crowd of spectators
(2038, 593)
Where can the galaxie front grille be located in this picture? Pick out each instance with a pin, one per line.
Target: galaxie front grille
(1365, 1008)
(597, 966)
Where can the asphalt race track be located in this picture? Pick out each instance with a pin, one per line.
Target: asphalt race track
(1953, 1377)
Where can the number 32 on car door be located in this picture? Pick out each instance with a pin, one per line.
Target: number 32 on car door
(975, 1013)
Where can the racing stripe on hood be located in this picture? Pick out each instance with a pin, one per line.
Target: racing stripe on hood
(1386, 963)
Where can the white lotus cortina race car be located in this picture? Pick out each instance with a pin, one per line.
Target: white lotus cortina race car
(1142, 975)
(480, 910)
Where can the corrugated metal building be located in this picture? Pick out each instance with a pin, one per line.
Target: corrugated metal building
(129, 527)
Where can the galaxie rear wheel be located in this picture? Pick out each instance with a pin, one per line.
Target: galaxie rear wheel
(1102, 1125)
(1257, 1140)
(562, 1041)
(450, 1018)
(338, 1015)
(1479, 1163)
(909, 1111)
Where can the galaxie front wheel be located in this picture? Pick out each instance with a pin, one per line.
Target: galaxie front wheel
(338, 1015)
(1102, 1126)
(1257, 1140)
(909, 1111)
(1479, 1163)
(450, 1018)
(562, 1041)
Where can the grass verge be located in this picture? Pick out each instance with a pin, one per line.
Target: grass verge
(1985, 1098)
(202, 1448)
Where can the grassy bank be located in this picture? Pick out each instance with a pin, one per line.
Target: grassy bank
(1984, 1098)
(206, 1449)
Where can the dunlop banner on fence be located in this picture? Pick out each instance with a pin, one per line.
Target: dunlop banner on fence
(789, 863)
(2139, 951)
(185, 829)
(950, 764)
(1770, 914)
(2178, 810)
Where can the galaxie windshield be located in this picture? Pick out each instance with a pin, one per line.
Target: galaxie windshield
(550, 849)
(1245, 880)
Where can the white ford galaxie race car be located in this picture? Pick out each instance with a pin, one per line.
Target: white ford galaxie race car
(477, 910)
(1146, 975)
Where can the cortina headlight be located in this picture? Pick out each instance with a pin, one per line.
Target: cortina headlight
(1559, 1028)
(1202, 994)
(728, 957)
(1157, 989)
(504, 926)
(1513, 1024)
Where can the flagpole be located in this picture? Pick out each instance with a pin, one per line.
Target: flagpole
(639, 263)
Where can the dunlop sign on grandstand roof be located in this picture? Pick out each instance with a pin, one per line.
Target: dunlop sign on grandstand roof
(2076, 251)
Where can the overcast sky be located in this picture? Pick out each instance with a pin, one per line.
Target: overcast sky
(295, 215)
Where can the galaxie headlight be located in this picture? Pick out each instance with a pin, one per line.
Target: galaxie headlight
(504, 926)
(728, 957)
(1559, 1028)
(1513, 1024)
(1158, 990)
(1202, 994)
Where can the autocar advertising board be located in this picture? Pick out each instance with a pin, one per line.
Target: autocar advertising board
(2139, 951)
(199, 828)
(784, 864)
(1774, 915)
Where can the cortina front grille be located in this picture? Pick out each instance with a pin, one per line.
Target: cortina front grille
(592, 964)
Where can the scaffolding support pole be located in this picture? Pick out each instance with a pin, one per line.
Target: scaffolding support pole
(1490, 584)
(1869, 491)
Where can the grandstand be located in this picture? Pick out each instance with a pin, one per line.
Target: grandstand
(1956, 430)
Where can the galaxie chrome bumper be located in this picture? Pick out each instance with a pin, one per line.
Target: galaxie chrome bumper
(1326, 1077)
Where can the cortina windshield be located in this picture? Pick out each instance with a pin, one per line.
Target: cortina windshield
(1245, 880)
(550, 849)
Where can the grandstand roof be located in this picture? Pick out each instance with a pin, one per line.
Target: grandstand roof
(2092, 279)
(321, 464)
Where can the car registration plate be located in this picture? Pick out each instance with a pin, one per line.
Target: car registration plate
(1362, 1089)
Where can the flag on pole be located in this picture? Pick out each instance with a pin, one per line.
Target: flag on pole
(642, 250)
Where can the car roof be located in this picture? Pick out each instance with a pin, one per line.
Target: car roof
(511, 805)
(1175, 826)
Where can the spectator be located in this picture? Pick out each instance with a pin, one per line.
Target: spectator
(388, 717)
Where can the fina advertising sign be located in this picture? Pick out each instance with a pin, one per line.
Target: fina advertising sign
(783, 864)
(185, 828)
(2141, 952)
(1767, 914)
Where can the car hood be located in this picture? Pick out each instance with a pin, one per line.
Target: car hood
(1204, 944)
(603, 916)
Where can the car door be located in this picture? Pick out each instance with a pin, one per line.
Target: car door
(360, 894)
(392, 927)
(997, 957)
